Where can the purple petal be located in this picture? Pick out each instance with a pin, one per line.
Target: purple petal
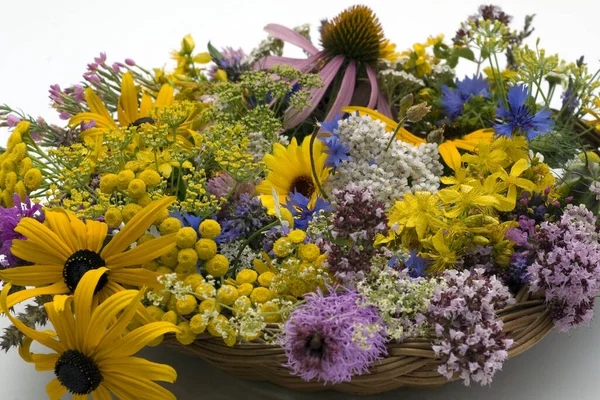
(327, 74)
(288, 35)
(383, 106)
(374, 87)
(344, 96)
(271, 61)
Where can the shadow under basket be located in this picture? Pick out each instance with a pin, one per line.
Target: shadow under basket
(411, 363)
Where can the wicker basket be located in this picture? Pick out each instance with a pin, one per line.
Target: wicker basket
(411, 363)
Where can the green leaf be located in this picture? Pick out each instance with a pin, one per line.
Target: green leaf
(214, 53)
(465, 53)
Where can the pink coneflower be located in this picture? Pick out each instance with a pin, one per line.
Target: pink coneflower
(352, 42)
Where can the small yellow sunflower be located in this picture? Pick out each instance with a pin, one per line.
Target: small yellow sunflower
(448, 150)
(290, 170)
(66, 248)
(92, 355)
(129, 112)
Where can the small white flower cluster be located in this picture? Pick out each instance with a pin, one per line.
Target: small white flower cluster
(248, 324)
(259, 144)
(439, 69)
(402, 76)
(595, 188)
(399, 299)
(363, 334)
(403, 168)
(230, 251)
(172, 285)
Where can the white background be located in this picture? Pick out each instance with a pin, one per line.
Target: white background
(46, 42)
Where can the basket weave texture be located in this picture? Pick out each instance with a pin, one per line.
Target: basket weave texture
(411, 363)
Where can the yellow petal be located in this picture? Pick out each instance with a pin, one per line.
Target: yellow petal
(145, 105)
(18, 297)
(450, 154)
(519, 167)
(101, 393)
(40, 239)
(63, 323)
(128, 103)
(55, 390)
(165, 96)
(97, 107)
(33, 275)
(135, 340)
(136, 227)
(40, 337)
(96, 233)
(126, 387)
(84, 295)
(45, 362)
(143, 253)
(139, 368)
(105, 314)
(136, 277)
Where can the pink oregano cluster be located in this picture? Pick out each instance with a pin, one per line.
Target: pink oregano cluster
(567, 267)
(470, 342)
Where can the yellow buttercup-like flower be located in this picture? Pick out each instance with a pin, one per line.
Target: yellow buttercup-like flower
(417, 211)
(90, 353)
(66, 248)
(290, 170)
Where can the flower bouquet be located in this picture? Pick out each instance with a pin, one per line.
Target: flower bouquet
(358, 219)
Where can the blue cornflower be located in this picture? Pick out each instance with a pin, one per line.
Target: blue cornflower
(332, 125)
(303, 213)
(453, 100)
(336, 151)
(187, 219)
(519, 117)
(416, 264)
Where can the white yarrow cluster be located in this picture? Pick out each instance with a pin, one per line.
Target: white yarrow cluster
(390, 173)
(259, 144)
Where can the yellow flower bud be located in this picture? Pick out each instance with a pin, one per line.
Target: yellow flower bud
(186, 336)
(297, 236)
(113, 217)
(261, 295)
(217, 266)
(218, 325)
(187, 44)
(124, 177)
(169, 225)
(129, 211)
(186, 305)
(33, 179)
(282, 247)
(136, 188)
(266, 278)
(194, 280)
(108, 183)
(170, 257)
(245, 289)
(246, 276)
(187, 257)
(197, 324)
(309, 252)
(206, 248)
(150, 177)
(186, 238)
(227, 294)
(209, 228)
(170, 316)
(205, 290)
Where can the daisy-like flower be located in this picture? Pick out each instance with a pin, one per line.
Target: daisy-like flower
(90, 353)
(129, 112)
(290, 171)
(352, 42)
(519, 117)
(66, 248)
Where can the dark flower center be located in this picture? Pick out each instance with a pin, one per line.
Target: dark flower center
(77, 372)
(315, 346)
(355, 33)
(304, 185)
(143, 120)
(78, 264)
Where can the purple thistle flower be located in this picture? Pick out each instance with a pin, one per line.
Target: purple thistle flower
(519, 117)
(453, 100)
(331, 338)
(12, 120)
(303, 213)
(9, 219)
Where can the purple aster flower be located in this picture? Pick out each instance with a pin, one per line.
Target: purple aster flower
(331, 338)
(12, 120)
(9, 219)
(336, 151)
(519, 117)
(453, 100)
(302, 211)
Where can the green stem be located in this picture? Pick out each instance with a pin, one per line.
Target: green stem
(246, 242)
(313, 166)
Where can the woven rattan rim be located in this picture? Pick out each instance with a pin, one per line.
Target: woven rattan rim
(411, 363)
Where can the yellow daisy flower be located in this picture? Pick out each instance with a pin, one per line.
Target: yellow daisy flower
(66, 248)
(290, 170)
(448, 150)
(129, 112)
(91, 353)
